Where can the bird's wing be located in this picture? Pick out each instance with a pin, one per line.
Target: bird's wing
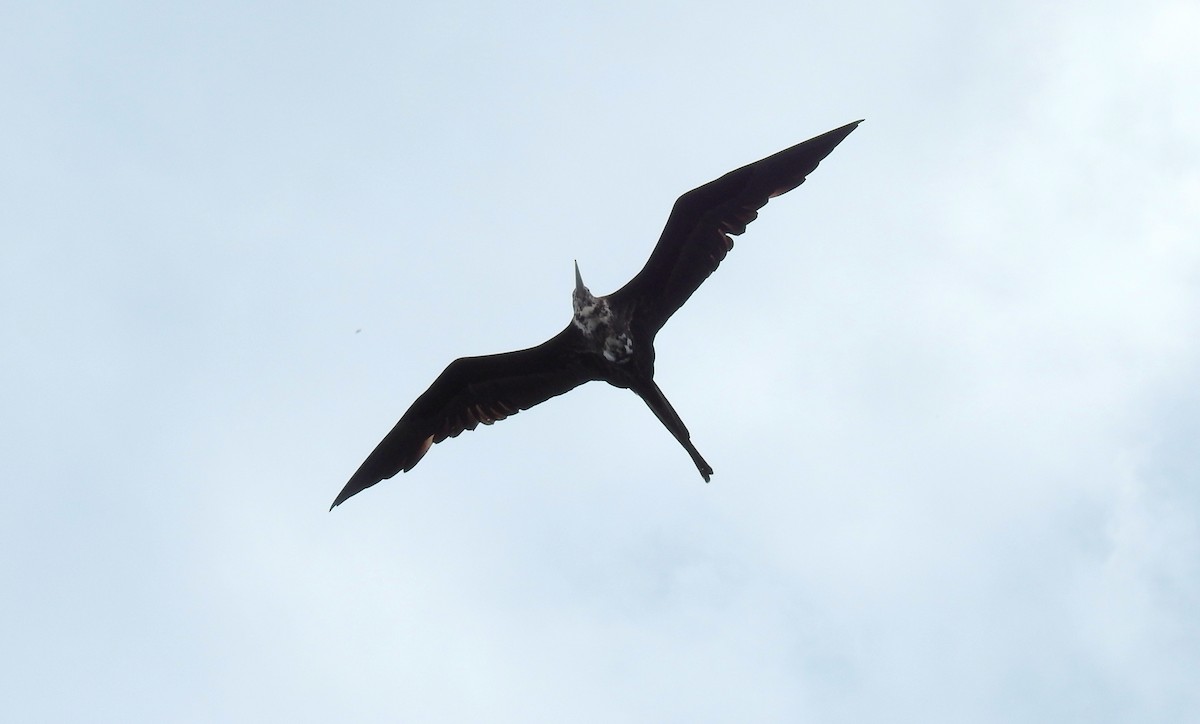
(695, 239)
(471, 390)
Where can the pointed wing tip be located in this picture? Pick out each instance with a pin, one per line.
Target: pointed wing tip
(341, 498)
(845, 130)
(356, 485)
(353, 488)
(372, 472)
(824, 144)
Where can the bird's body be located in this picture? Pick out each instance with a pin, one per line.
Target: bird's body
(609, 338)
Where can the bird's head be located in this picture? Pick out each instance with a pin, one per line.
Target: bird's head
(588, 309)
(581, 296)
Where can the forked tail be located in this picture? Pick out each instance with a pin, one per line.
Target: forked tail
(657, 402)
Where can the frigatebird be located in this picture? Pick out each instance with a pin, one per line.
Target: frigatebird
(609, 338)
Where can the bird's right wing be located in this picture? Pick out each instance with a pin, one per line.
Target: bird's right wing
(471, 390)
(696, 237)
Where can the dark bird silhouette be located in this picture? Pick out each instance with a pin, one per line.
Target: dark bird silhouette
(609, 338)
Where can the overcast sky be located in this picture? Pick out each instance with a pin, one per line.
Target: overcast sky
(950, 386)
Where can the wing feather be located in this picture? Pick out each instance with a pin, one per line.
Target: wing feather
(696, 237)
(471, 391)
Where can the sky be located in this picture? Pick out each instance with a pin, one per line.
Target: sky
(949, 386)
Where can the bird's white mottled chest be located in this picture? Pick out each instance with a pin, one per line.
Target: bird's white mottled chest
(595, 320)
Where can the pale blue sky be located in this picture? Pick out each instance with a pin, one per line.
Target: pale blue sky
(948, 386)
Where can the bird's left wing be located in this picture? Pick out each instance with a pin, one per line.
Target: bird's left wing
(471, 390)
(696, 237)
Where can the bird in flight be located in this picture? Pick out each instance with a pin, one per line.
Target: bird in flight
(609, 338)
